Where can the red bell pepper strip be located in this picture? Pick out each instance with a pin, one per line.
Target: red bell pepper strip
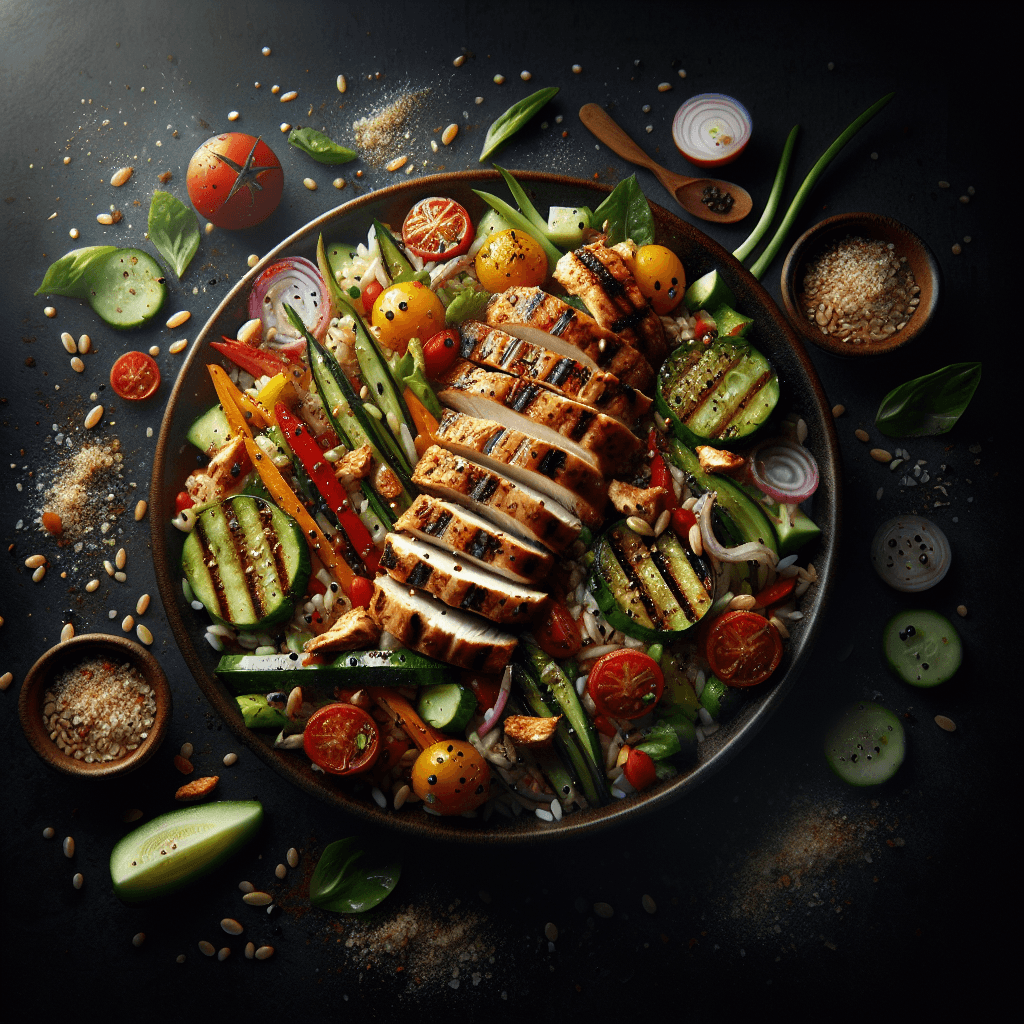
(321, 472)
(256, 361)
(660, 475)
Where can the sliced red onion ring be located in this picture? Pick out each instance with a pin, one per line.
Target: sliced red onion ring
(297, 282)
(752, 551)
(784, 470)
(492, 717)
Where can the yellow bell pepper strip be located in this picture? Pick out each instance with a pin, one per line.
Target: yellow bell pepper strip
(277, 389)
(321, 472)
(275, 483)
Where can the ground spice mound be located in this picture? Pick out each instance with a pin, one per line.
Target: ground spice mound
(430, 950)
(383, 134)
(83, 491)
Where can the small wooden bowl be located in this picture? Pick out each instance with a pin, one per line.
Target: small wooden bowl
(871, 226)
(67, 654)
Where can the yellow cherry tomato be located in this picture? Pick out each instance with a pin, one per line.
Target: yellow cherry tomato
(451, 777)
(510, 259)
(405, 311)
(661, 277)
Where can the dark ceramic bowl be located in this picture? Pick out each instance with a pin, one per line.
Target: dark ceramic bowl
(871, 226)
(193, 394)
(72, 652)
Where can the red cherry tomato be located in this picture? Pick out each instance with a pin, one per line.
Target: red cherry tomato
(342, 739)
(743, 648)
(440, 351)
(360, 592)
(135, 375)
(640, 769)
(776, 592)
(182, 501)
(682, 520)
(625, 684)
(437, 228)
(234, 180)
(370, 293)
(485, 688)
(558, 635)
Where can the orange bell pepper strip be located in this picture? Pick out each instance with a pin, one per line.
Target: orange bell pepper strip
(404, 715)
(426, 425)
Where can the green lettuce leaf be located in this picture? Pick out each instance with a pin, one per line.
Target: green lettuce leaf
(72, 274)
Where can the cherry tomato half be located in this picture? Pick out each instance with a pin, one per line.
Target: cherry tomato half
(626, 683)
(342, 739)
(640, 769)
(235, 180)
(360, 592)
(743, 648)
(440, 351)
(135, 375)
(450, 777)
(370, 293)
(559, 634)
(437, 228)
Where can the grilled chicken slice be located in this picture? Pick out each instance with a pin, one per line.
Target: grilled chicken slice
(423, 623)
(576, 377)
(600, 277)
(550, 469)
(476, 540)
(515, 507)
(598, 439)
(354, 630)
(543, 319)
(458, 583)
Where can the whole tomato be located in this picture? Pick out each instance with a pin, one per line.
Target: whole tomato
(234, 180)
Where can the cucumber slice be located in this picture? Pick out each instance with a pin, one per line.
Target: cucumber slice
(866, 745)
(566, 225)
(708, 291)
(128, 288)
(490, 223)
(446, 706)
(176, 848)
(210, 431)
(922, 647)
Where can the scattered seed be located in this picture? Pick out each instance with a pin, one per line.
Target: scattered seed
(695, 540)
(78, 880)
(39, 573)
(121, 577)
(280, 871)
(862, 435)
(6, 679)
(246, 887)
(34, 561)
(342, 83)
(289, 96)
(69, 847)
(48, 833)
(499, 79)
(264, 952)
(837, 411)
(84, 344)
(209, 229)
(880, 455)
(223, 953)
(338, 183)
(127, 623)
(448, 135)
(119, 177)
(68, 342)
(143, 633)
(257, 899)
(180, 958)
(121, 558)
(525, 75)
(154, 350)
(604, 910)
(77, 365)
(140, 510)
(183, 764)
(231, 926)
(956, 249)
(94, 416)
(67, 632)
(105, 218)
(395, 164)
(109, 567)
(132, 814)
(551, 932)
(177, 346)
(664, 86)
(265, 51)
(178, 319)
(641, 526)
(250, 950)
(310, 184)
(292, 856)
(206, 948)
(230, 759)
(285, 127)
(945, 723)
(742, 602)
(142, 605)
(233, 115)
(662, 524)
(961, 610)
(577, 68)
(648, 904)
(138, 939)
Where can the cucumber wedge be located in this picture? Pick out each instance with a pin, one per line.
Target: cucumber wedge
(717, 394)
(175, 849)
(127, 289)
(707, 292)
(247, 561)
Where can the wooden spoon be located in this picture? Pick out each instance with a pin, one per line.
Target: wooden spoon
(687, 191)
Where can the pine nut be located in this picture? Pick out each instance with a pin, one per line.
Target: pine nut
(742, 602)
(140, 510)
(143, 634)
(231, 926)
(119, 177)
(178, 319)
(39, 574)
(696, 543)
(187, 750)
(880, 455)
(34, 561)
(945, 723)
(6, 679)
(264, 952)
(837, 411)
(289, 96)
(206, 948)
(177, 346)
(109, 568)
(662, 524)
(246, 887)
(310, 184)
(648, 904)
(292, 856)
(142, 605)
(49, 311)
(251, 332)
(67, 632)
(127, 623)
(257, 899)
(641, 526)
(69, 847)
(250, 950)
(105, 218)
(233, 115)
(499, 79)
(280, 871)
(84, 344)
(138, 939)
(862, 435)
(664, 86)
(448, 135)
(395, 164)
(94, 416)
(459, 61)
(120, 558)
(68, 342)
(154, 350)
(341, 83)
(230, 759)
(78, 880)
(121, 577)
(77, 365)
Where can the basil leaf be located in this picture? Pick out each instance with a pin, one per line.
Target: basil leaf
(319, 146)
(628, 214)
(468, 304)
(930, 404)
(72, 274)
(350, 879)
(507, 124)
(174, 230)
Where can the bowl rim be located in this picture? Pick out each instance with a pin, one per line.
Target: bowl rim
(834, 225)
(457, 829)
(77, 649)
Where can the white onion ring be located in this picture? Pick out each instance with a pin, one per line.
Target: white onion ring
(752, 551)
(295, 281)
(784, 470)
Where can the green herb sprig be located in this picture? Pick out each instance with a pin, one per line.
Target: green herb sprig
(349, 878)
(319, 146)
(507, 124)
(174, 229)
(930, 404)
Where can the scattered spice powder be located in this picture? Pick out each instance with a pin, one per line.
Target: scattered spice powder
(80, 493)
(379, 134)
